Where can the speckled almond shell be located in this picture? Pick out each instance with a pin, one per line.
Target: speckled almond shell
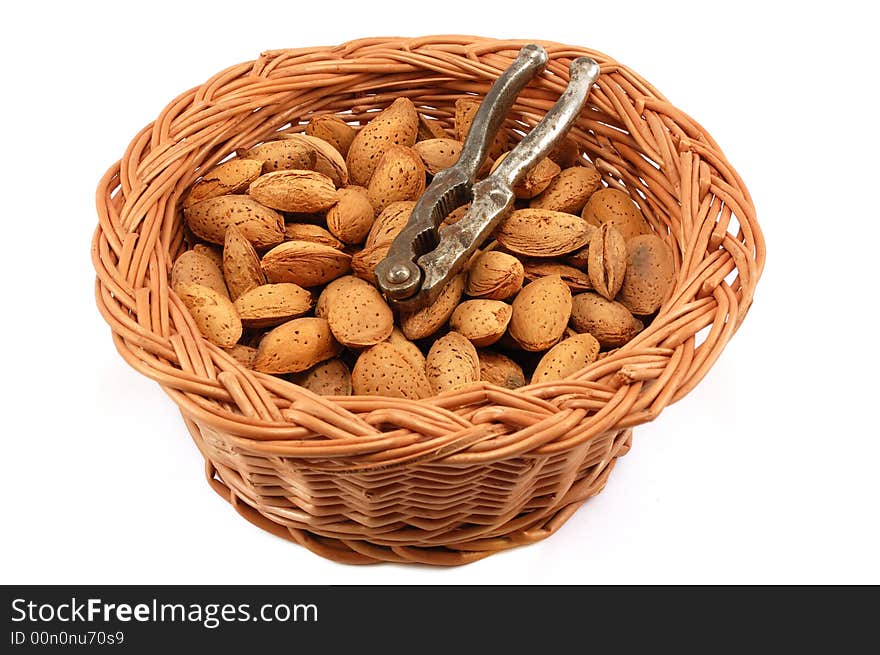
(194, 268)
(305, 263)
(495, 275)
(540, 313)
(383, 370)
(212, 312)
(426, 321)
(570, 190)
(328, 161)
(262, 226)
(650, 272)
(536, 180)
(438, 154)
(282, 155)
(465, 110)
(330, 378)
(610, 322)
(430, 129)
(364, 262)
(294, 191)
(566, 152)
(483, 322)
(576, 279)
(407, 348)
(566, 358)
(313, 233)
(500, 369)
(607, 260)
(272, 304)
(542, 233)
(295, 346)
(211, 252)
(616, 207)
(399, 176)
(359, 316)
(389, 223)
(452, 363)
(243, 354)
(333, 130)
(241, 264)
(397, 124)
(233, 176)
(351, 218)
(341, 284)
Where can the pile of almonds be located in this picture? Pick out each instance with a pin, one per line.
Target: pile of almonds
(288, 233)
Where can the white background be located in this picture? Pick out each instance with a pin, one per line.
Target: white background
(767, 472)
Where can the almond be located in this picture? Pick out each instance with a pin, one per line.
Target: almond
(194, 268)
(566, 152)
(610, 322)
(313, 233)
(243, 354)
(364, 262)
(294, 191)
(399, 175)
(426, 321)
(271, 304)
(540, 313)
(536, 180)
(495, 275)
(330, 378)
(295, 346)
(483, 322)
(211, 252)
(383, 370)
(282, 155)
(616, 207)
(576, 279)
(650, 273)
(351, 218)
(570, 190)
(337, 286)
(333, 130)
(438, 154)
(567, 358)
(328, 161)
(305, 263)
(607, 260)
(389, 223)
(398, 124)
(452, 362)
(360, 316)
(407, 348)
(543, 233)
(500, 370)
(233, 176)
(213, 313)
(465, 110)
(430, 129)
(241, 265)
(260, 225)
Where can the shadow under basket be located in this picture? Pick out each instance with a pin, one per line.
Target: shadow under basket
(455, 478)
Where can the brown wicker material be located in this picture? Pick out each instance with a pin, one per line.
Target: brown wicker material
(451, 479)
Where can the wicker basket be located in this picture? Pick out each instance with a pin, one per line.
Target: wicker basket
(451, 479)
